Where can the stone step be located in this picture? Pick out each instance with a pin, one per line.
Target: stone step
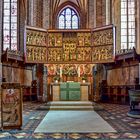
(66, 107)
(70, 103)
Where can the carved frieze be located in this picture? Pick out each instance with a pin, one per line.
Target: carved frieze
(36, 50)
(36, 38)
(102, 53)
(54, 54)
(70, 46)
(84, 54)
(103, 45)
(36, 54)
(55, 39)
(102, 37)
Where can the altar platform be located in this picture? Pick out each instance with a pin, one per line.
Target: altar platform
(71, 105)
(70, 91)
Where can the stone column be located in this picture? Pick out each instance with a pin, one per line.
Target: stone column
(44, 83)
(138, 26)
(0, 53)
(116, 20)
(1, 4)
(39, 73)
(100, 13)
(36, 12)
(46, 14)
(108, 12)
(92, 13)
(30, 12)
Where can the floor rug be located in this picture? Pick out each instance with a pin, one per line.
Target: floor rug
(73, 121)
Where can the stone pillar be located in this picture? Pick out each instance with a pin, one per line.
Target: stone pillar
(46, 14)
(22, 22)
(116, 20)
(1, 4)
(94, 73)
(44, 83)
(108, 12)
(100, 13)
(37, 12)
(0, 54)
(30, 12)
(39, 73)
(92, 13)
(138, 27)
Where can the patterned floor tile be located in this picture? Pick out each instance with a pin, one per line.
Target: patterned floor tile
(39, 135)
(57, 135)
(21, 135)
(5, 134)
(75, 136)
(112, 135)
(114, 114)
(130, 135)
(94, 135)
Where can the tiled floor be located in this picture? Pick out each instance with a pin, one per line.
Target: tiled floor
(115, 115)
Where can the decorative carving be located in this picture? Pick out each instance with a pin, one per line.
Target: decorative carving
(84, 54)
(36, 38)
(55, 39)
(102, 53)
(69, 52)
(83, 39)
(103, 45)
(13, 55)
(54, 54)
(69, 69)
(103, 37)
(36, 50)
(36, 54)
(80, 46)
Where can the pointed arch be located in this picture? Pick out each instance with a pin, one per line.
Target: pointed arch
(74, 7)
(68, 18)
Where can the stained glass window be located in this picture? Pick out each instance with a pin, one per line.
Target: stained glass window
(68, 19)
(128, 34)
(10, 24)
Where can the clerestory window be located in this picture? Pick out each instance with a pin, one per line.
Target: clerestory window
(68, 19)
(10, 24)
(128, 33)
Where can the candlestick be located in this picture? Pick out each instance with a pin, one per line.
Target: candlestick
(60, 72)
(78, 71)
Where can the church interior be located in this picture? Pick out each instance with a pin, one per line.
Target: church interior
(69, 69)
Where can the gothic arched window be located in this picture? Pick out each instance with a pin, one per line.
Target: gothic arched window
(128, 27)
(68, 19)
(10, 24)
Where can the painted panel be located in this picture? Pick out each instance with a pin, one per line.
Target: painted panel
(11, 105)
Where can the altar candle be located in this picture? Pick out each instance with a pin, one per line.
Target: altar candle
(60, 72)
(78, 71)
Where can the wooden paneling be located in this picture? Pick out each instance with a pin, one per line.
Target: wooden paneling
(20, 75)
(123, 75)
